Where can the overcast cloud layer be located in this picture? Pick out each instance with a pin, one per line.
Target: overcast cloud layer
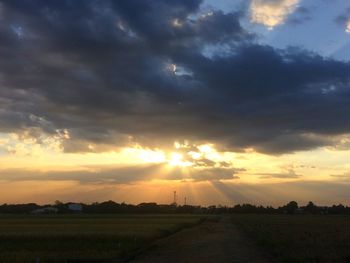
(109, 72)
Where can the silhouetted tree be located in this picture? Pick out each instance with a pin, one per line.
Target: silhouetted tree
(338, 209)
(291, 207)
(311, 208)
(112, 207)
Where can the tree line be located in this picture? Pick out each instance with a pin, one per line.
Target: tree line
(111, 207)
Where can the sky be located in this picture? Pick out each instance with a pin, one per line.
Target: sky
(223, 101)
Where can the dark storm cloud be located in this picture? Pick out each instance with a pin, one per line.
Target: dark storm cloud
(104, 70)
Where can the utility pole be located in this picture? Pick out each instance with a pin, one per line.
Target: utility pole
(185, 200)
(175, 197)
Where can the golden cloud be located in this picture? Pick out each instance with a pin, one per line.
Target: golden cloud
(348, 27)
(271, 12)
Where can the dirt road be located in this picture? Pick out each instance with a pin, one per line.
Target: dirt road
(218, 242)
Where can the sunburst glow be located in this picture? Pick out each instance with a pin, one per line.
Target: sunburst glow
(177, 159)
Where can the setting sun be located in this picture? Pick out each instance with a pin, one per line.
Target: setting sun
(177, 159)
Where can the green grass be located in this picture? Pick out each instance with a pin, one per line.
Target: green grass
(299, 238)
(57, 238)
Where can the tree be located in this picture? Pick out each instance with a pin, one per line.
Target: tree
(291, 207)
(311, 208)
(58, 203)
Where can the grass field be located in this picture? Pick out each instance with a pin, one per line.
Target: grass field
(299, 238)
(58, 238)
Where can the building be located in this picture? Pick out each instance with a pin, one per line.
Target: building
(45, 210)
(75, 207)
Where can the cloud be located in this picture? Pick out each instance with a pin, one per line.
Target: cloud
(271, 13)
(293, 142)
(30, 141)
(344, 20)
(206, 174)
(289, 174)
(301, 15)
(341, 177)
(91, 175)
(108, 79)
(121, 174)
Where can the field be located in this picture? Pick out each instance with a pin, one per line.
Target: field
(299, 238)
(70, 238)
(64, 238)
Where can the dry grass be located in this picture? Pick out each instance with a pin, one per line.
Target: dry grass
(299, 238)
(58, 238)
